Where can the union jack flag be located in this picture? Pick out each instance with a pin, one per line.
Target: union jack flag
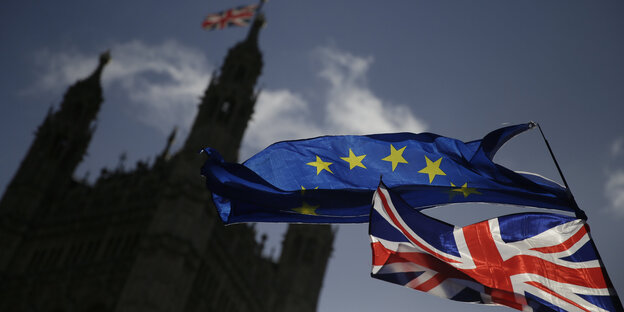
(528, 261)
(239, 16)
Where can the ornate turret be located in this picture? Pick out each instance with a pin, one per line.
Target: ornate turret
(305, 252)
(59, 146)
(164, 155)
(46, 172)
(228, 102)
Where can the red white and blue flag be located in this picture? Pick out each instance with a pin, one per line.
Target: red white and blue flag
(528, 261)
(239, 16)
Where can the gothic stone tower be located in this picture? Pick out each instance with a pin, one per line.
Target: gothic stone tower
(147, 239)
(59, 146)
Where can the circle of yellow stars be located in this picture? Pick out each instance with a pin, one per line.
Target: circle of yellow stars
(431, 169)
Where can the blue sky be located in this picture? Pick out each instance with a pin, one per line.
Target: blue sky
(456, 68)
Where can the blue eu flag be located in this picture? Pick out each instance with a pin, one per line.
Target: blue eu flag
(331, 179)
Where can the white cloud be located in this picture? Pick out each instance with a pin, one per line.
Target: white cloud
(349, 107)
(279, 115)
(59, 69)
(614, 190)
(162, 82)
(617, 147)
(614, 185)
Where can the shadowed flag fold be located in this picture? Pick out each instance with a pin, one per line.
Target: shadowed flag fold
(332, 178)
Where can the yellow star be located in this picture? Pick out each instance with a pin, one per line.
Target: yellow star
(354, 161)
(306, 209)
(432, 168)
(320, 165)
(466, 190)
(395, 157)
(303, 189)
(452, 192)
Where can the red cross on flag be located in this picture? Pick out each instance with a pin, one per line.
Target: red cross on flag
(240, 16)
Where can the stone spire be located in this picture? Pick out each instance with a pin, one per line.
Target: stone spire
(59, 146)
(228, 102)
(46, 172)
(165, 154)
(305, 253)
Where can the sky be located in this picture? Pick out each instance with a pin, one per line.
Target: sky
(455, 68)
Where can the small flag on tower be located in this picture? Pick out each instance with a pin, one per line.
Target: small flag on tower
(239, 16)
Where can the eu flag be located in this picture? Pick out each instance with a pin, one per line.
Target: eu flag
(332, 178)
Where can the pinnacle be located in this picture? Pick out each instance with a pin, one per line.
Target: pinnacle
(259, 22)
(104, 59)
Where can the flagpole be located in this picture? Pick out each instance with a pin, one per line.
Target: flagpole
(260, 5)
(259, 13)
(578, 211)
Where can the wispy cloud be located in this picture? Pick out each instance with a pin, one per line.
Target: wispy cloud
(617, 148)
(279, 115)
(348, 107)
(614, 190)
(351, 106)
(161, 82)
(614, 185)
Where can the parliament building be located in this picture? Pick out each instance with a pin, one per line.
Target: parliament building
(147, 238)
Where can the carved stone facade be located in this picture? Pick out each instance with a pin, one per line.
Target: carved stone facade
(147, 239)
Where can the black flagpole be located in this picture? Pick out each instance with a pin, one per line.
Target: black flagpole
(578, 211)
(260, 5)
(581, 215)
